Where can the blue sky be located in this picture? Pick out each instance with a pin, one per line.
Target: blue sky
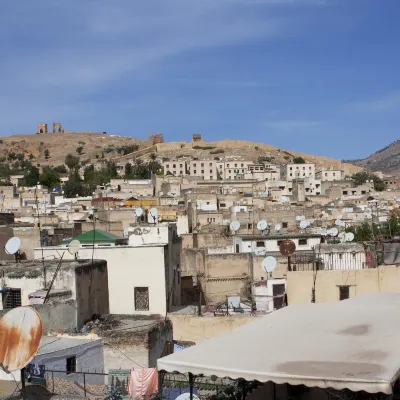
(317, 76)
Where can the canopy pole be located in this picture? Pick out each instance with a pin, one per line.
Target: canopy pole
(191, 384)
(161, 375)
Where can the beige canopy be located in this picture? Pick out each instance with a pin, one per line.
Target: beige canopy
(353, 344)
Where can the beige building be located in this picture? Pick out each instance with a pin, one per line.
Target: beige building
(176, 167)
(329, 174)
(294, 171)
(205, 169)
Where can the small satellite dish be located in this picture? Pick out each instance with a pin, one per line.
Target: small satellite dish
(186, 396)
(341, 236)
(303, 224)
(31, 220)
(137, 231)
(298, 217)
(287, 247)
(278, 227)
(262, 225)
(234, 190)
(234, 226)
(21, 330)
(74, 246)
(153, 212)
(338, 222)
(126, 232)
(269, 264)
(333, 232)
(139, 212)
(13, 245)
(349, 236)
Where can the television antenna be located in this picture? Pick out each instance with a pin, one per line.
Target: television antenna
(73, 247)
(21, 332)
(269, 264)
(349, 236)
(262, 225)
(234, 226)
(303, 224)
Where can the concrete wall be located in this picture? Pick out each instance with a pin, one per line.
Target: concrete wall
(92, 295)
(30, 239)
(57, 316)
(196, 329)
(300, 284)
(158, 339)
(5, 235)
(121, 356)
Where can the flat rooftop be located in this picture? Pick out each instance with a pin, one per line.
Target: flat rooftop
(51, 344)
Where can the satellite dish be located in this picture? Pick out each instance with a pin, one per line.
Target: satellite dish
(333, 232)
(21, 330)
(234, 190)
(74, 246)
(269, 264)
(262, 225)
(234, 226)
(31, 220)
(298, 217)
(13, 245)
(278, 227)
(341, 236)
(137, 231)
(287, 247)
(153, 212)
(338, 222)
(349, 236)
(139, 212)
(303, 224)
(186, 396)
(126, 232)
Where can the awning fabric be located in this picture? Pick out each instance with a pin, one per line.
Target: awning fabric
(353, 344)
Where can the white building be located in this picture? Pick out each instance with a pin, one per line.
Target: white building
(329, 174)
(143, 278)
(205, 169)
(261, 245)
(175, 167)
(341, 256)
(294, 171)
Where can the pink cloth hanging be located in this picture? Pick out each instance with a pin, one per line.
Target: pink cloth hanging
(143, 383)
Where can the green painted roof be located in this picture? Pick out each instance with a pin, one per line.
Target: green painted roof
(98, 235)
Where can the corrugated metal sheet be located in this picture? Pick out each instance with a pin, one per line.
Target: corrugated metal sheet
(20, 334)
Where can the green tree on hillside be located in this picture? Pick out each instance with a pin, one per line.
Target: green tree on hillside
(71, 161)
(49, 178)
(299, 160)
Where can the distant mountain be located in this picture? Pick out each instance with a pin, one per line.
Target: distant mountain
(386, 160)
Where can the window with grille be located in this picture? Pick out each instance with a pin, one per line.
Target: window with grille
(260, 244)
(344, 292)
(11, 299)
(71, 365)
(141, 298)
(303, 242)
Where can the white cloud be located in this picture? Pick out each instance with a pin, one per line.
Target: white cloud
(388, 102)
(292, 125)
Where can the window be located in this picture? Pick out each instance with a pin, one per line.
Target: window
(210, 164)
(180, 165)
(227, 165)
(11, 299)
(167, 166)
(194, 165)
(173, 165)
(303, 242)
(326, 174)
(334, 174)
(242, 165)
(202, 171)
(195, 172)
(291, 174)
(211, 171)
(141, 298)
(202, 164)
(309, 168)
(235, 165)
(344, 292)
(284, 224)
(260, 244)
(304, 167)
(249, 226)
(211, 177)
(340, 256)
(71, 365)
(290, 168)
(344, 191)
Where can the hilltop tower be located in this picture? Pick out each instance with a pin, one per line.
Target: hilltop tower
(42, 128)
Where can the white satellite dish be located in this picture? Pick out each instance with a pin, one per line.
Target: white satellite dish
(234, 226)
(262, 225)
(139, 212)
(269, 264)
(333, 232)
(126, 232)
(342, 236)
(31, 220)
(13, 245)
(234, 190)
(278, 227)
(349, 236)
(74, 246)
(186, 396)
(303, 224)
(153, 212)
(338, 222)
(298, 217)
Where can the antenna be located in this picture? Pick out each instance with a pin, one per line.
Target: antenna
(13, 245)
(73, 247)
(262, 225)
(303, 224)
(234, 226)
(349, 236)
(21, 332)
(269, 264)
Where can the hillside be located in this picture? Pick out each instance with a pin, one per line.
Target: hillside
(123, 149)
(386, 160)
